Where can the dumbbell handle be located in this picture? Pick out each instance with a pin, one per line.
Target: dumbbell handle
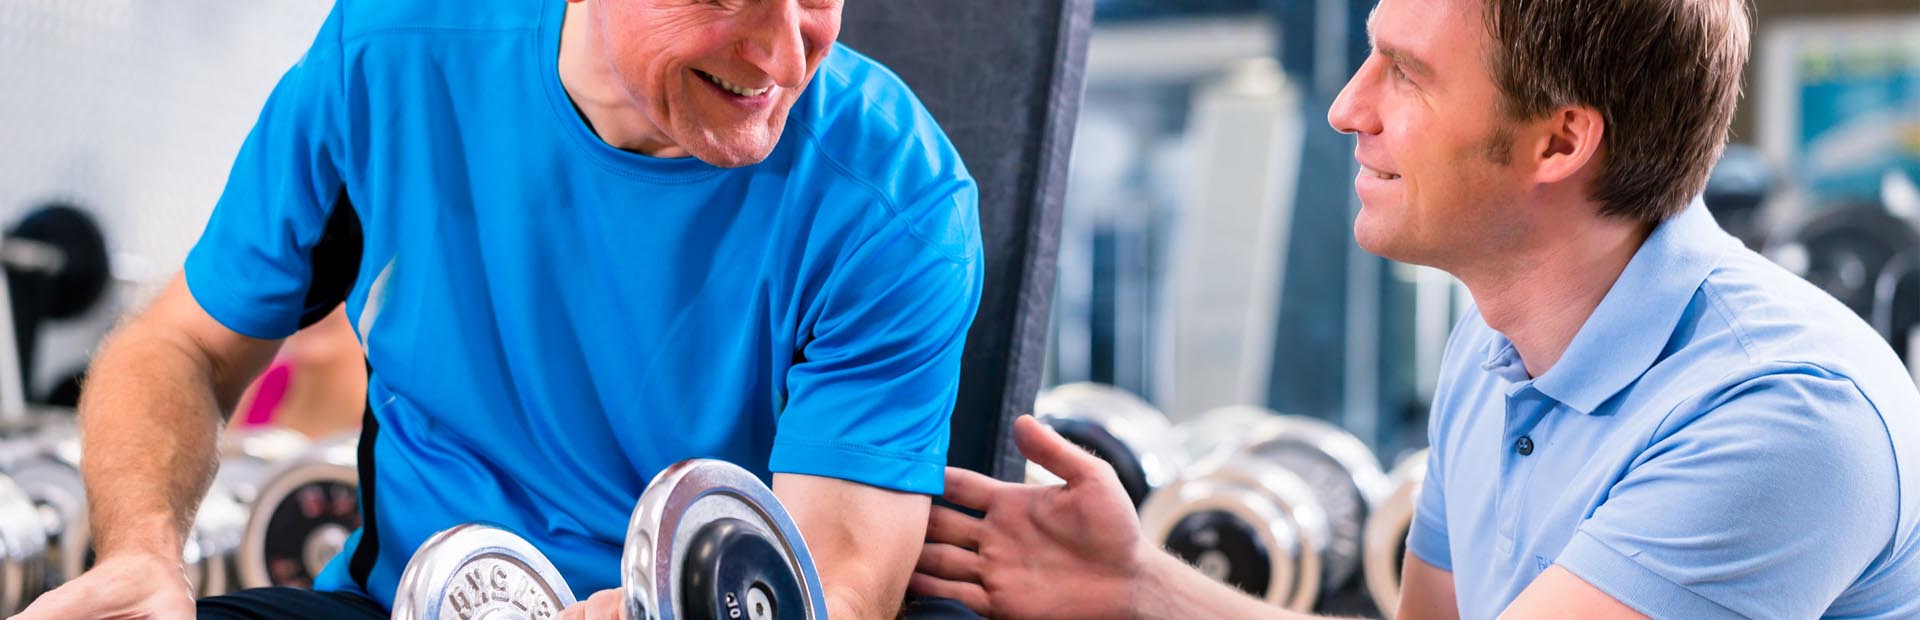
(50, 519)
(13, 391)
(26, 255)
(32, 255)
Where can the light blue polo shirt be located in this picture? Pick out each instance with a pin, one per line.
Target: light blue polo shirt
(1720, 440)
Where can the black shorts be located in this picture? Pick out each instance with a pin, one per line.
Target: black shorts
(293, 603)
(288, 604)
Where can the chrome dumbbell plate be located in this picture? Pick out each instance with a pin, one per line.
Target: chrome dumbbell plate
(302, 517)
(479, 572)
(1116, 426)
(709, 541)
(1258, 529)
(1386, 534)
(23, 540)
(1342, 472)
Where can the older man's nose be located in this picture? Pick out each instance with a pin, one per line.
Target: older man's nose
(774, 44)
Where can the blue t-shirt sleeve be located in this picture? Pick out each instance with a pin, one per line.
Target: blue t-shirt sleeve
(871, 397)
(1766, 502)
(250, 269)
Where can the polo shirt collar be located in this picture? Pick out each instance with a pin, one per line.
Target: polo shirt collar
(1624, 336)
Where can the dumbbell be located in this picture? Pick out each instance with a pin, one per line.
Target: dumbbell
(46, 467)
(1386, 534)
(302, 516)
(706, 541)
(1115, 426)
(709, 541)
(35, 524)
(479, 572)
(1281, 517)
(23, 539)
(1216, 434)
(247, 459)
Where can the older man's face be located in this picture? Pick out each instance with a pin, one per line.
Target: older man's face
(718, 76)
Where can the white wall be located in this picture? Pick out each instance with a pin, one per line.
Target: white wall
(134, 109)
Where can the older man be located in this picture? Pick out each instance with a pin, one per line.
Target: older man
(1642, 418)
(579, 241)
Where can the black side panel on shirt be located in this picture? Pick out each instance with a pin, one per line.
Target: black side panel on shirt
(335, 262)
(364, 554)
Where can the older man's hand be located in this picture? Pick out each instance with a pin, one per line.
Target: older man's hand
(603, 605)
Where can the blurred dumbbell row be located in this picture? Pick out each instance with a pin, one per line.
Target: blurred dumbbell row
(1289, 509)
(280, 507)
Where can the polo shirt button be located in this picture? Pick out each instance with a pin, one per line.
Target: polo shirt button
(1524, 446)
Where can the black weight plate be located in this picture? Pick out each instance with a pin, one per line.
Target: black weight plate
(1106, 447)
(1896, 302)
(83, 278)
(733, 572)
(1847, 248)
(1225, 548)
(305, 511)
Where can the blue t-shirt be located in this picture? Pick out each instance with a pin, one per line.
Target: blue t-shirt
(1720, 440)
(550, 321)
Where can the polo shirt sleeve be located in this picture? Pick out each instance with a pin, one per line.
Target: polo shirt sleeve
(1764, 500)
(872, 394)
(1427, 536)
(251, 267)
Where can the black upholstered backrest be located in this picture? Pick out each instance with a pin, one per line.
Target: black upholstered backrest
(1004, 78)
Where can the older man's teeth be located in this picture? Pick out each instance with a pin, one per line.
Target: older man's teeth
(734, 88)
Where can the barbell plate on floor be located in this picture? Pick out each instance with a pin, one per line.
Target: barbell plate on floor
(1342, 472)
(1257, 529)
(1116, 426)
(23, 540)
(303, 517)
(762, 570)
(1386, 534)
(476, 571)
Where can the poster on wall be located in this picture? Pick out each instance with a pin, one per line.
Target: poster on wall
(1840, 104)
